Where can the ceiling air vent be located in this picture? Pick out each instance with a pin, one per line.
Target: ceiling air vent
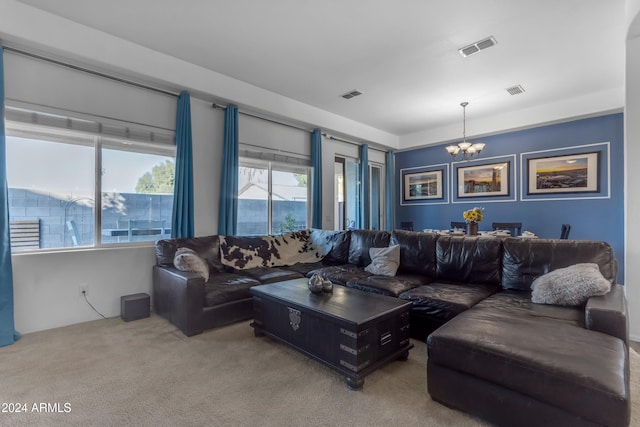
(351, 94)
(477, 46)
(515, 90)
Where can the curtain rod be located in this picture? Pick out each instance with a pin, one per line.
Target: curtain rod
(244, 113)
(326, 135)
(90, 71)
(335, 138)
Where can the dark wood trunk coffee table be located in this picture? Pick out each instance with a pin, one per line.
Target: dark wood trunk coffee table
(351, 331)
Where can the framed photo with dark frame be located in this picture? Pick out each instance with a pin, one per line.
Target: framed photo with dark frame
(486, 180)
(423, 185)
(571, 173)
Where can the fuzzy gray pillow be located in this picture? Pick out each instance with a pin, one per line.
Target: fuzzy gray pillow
(384, 261)
(188, 260)
(571, 285)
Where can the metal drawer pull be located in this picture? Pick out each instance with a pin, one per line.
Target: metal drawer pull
(385, 338)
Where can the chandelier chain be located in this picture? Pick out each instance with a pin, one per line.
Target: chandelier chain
(465, 148)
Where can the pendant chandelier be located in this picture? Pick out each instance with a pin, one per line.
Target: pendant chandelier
(466, 149)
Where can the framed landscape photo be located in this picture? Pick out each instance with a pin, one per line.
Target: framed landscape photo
(572, 173)
(423, 185)
(484, 180)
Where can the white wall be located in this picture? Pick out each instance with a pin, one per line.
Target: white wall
(47, 285)
(632, 177)
(207, 128)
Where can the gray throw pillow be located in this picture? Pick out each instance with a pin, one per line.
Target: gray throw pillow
(384, 261)
(571, 285)
(188, 260)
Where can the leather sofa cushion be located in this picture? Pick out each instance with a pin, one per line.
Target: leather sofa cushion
(271, 274)
(341, 274)
(333, 245)
(507, 304)
(207, 248)
(227, 287)
(444, 301)
(538, 351)
(362, 241)
(304, 267)
(468, 259)
(417, 251)
(526, 259)
(389, 285)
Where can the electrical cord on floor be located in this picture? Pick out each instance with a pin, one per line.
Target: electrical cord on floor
(84, 294)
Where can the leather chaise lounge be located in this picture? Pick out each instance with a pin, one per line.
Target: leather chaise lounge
(514, 362)
(492, 352)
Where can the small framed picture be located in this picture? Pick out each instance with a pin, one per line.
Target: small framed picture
(486, 180)
(423, 185)
(573, 173)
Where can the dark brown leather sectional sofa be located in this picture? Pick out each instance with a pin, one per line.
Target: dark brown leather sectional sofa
(492, 352)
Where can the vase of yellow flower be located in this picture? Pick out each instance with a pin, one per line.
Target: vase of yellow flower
(473, 217)
(472, 229)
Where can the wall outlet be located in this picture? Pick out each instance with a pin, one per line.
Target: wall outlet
(83, 290)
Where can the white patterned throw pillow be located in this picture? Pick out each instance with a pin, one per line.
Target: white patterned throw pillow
(187, 259)
(570, 286)
(384, 261)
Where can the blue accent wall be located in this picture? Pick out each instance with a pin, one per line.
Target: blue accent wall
(593, 216)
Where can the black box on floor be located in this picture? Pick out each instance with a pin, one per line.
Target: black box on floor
(134, 307)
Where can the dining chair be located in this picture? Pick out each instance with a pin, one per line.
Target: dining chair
(458, 224)
(406, 225)
(514, 227)
(564, 233)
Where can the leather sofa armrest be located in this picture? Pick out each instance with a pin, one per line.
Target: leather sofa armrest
(608, 313)
(179, 297)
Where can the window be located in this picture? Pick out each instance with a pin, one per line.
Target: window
(377, 219)
(137, 194)
(347, 184)
(52, 182)
(339, 207)
(272, 198)
(54, 176)
(347, 194)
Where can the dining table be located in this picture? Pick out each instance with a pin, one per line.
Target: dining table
(481, 233)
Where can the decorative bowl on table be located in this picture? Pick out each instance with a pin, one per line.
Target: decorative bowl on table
(316, 283)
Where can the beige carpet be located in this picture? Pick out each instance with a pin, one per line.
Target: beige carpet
(145, 372)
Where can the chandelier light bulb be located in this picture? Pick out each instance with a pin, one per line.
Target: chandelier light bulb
(453, 149)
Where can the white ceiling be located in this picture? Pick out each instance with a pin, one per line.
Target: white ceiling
(403, 54)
